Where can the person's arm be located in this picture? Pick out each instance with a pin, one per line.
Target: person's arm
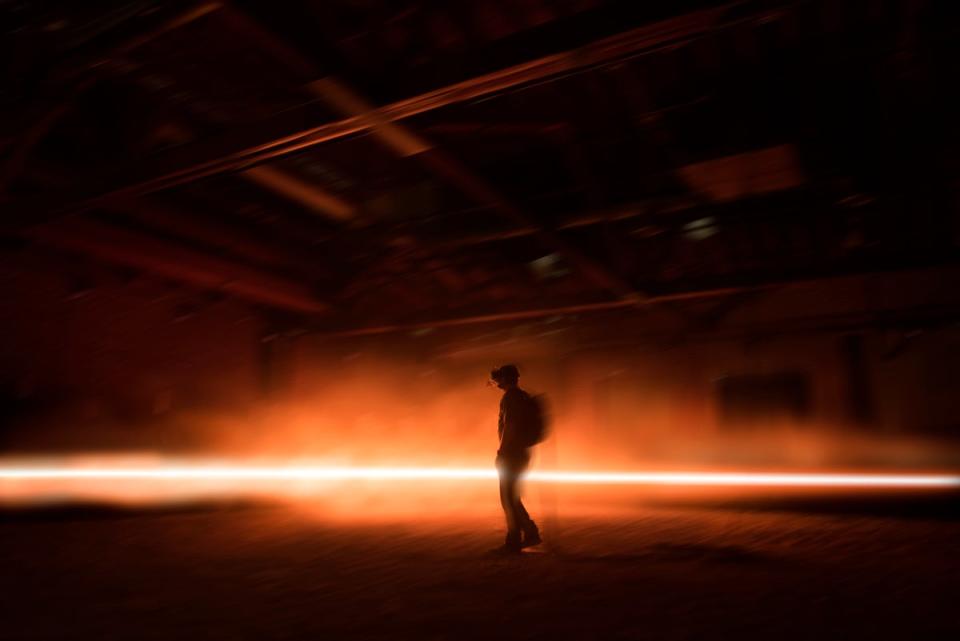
(510, 414)
(500, 422)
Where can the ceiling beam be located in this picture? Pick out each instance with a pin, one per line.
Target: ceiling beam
(407, 143)
(525, 314)
(587, 219)
(131, 249)
(740, 291)
(289, 186)
(648, 117)
(49, 118)
(188, 224)
(307, 194)
(237, 150)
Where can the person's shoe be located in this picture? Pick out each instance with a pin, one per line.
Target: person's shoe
(506, 550)
(511, 544)
(531, 538)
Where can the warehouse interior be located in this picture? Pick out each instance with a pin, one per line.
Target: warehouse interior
(714, 235)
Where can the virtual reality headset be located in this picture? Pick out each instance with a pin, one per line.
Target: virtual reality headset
(505, 373)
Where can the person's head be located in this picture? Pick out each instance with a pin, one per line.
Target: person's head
(505, 376)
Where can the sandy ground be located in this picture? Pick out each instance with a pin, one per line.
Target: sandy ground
(807, 568)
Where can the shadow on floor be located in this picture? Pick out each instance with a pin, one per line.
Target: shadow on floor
(939, 506)
(61, 512)
(672, 552)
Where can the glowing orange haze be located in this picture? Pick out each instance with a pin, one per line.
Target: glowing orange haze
(402, 415)
(414, 417)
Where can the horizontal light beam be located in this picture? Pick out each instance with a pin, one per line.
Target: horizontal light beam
(322, 473)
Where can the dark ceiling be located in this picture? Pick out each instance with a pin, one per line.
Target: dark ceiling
(362, 163)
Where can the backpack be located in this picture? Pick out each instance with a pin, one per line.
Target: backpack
(533, 426)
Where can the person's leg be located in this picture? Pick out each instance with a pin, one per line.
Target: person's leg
(524, 522)
(531, 533)
(523, 518)
(509, 500)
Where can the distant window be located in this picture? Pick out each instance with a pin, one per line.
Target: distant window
(755, 398)
(549, 266)
(701, 228)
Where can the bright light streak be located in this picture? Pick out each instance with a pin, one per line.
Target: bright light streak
(342, 473)
(751, 479)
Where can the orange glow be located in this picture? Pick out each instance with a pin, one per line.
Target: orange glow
(321, 473)
(105, 479)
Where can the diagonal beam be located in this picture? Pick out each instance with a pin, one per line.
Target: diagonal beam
(227, 155)
(641, 209)
(34, 135)
(187, 224)
(737, 292)
(524, 314)
(406, 143)
(292, 187)
(131, 249)
(927, 316)
(307, 194)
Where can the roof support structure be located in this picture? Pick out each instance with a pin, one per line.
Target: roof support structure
(310, 196)
(527, 314)
(224, 237)
(49, 118)
(239, 152)
(406, 143)
(131, 249)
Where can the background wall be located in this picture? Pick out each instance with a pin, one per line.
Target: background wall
(114, 360)
(91, 358)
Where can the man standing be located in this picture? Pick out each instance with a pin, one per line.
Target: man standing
(520, 427)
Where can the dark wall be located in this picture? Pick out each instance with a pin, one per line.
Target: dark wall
(96, 345)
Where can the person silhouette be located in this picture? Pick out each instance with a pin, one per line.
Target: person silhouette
(513, 457)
